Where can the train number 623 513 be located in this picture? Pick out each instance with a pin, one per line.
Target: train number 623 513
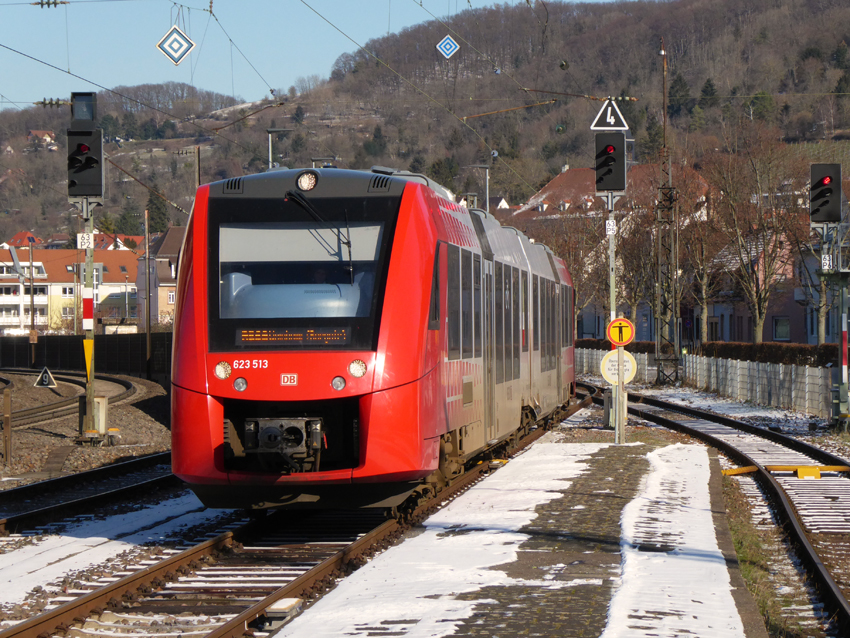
(248, 364)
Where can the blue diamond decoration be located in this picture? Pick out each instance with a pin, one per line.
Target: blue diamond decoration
(175, 45)
(448, 47)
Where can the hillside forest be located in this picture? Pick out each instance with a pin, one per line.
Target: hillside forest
(742, 76)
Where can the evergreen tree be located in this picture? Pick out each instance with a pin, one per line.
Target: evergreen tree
(841, 57)
(110, 126)
(708, 95)
(654, 140)
(697, 119)
(106, 223)
(763, 107)
(443, 171)
(298, 116)
(158, 217)
(377, 145)
(129, 126)
(129, 221)
(678, 97)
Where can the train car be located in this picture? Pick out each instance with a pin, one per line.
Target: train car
(349, 337)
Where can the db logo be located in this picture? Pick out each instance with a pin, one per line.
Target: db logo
(289, 379)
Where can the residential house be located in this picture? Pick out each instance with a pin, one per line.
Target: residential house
(44, 138)
(164, 252)
(23, 239)
(50, 282)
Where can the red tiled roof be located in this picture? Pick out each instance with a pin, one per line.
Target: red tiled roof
(56, 263)
(21, 240)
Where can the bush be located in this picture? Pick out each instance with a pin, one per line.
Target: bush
(647, 347)
(786, 353)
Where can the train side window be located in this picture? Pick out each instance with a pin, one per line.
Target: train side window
(544, 325)
(453, 300)
(572, 324)
(524, 311)
(547, 318)
(553, 324)
(476, 300)
(466, 303)
(434, 310)
(508, 340)
(517, 330)
(535, 313)
(563, 307)
(499, 338)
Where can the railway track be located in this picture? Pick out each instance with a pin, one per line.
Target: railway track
(256, 575)
(27, 507)
(64, 407)
(814, 514)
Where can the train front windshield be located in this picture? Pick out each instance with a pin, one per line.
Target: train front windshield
(295, 281)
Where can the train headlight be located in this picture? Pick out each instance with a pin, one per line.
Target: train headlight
(357, 368)
(307, 180)
(223, 370)
(338, 383)
(240, 385)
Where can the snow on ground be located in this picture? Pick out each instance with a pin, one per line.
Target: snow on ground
(791, 422)
(414, 586)
(418, 580)
(85, 545)
(685, 590)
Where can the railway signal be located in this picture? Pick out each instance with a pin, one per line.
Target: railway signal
(85, 163)
(825, 193)
(610, 161)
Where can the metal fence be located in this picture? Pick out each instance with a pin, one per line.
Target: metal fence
(115, 354)
(801, 388)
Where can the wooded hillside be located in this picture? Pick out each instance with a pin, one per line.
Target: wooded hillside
(782, 63)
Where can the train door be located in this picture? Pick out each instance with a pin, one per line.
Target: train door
(489, 389)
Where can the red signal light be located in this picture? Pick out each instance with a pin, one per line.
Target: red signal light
(609, 149)
(826, 180)
(84, 148)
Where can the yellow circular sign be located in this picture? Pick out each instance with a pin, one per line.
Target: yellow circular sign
(609, 367)
(621, 332)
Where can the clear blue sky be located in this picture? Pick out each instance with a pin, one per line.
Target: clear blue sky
(113, 42)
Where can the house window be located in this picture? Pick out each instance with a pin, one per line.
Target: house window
(171, 296)
(68, 291)
(123, 269)
(713, 328)
(781, 329)
(67, 311)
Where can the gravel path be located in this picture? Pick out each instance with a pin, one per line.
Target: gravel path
(142, 422)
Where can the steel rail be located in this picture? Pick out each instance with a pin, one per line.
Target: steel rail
(75, 611)
(828, 589)
(62, 617)
(68, 406)
(237, 626)
(15, 523)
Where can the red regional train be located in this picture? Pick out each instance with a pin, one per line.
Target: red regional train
(347, 337)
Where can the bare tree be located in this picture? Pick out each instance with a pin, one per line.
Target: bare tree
(756, 182)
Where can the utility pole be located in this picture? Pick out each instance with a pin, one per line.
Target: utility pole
(667, 253)
(148, 371)
(33, 333)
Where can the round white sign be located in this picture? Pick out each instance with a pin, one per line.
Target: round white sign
(609, 367)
